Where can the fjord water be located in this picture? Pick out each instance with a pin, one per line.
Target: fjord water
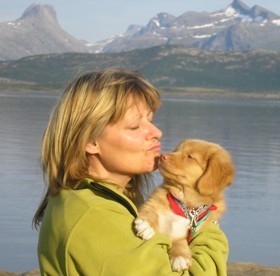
(247, 127)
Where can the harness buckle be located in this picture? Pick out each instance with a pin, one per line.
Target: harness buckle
(193, 219)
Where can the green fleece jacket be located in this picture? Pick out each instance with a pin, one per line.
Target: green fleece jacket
(89, 231)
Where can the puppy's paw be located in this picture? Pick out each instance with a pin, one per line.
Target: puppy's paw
(143, 229)
(180, 263)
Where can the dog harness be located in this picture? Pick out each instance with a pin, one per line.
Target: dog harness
(195, 215)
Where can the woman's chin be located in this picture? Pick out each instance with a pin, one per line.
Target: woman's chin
(155, 163)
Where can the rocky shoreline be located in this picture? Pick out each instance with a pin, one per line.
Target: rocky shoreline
(251, 269)
(234, 269)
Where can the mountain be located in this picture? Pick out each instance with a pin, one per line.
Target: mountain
(170, 66)
(37, 31)
(237, 27)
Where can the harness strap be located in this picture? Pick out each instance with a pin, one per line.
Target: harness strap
(113, 196)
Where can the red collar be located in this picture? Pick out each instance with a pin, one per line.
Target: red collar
(175, 206)
(196, 216)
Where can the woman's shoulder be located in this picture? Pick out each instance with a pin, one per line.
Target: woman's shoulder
(92, 198)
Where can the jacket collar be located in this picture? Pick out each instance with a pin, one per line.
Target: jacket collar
(110, 192)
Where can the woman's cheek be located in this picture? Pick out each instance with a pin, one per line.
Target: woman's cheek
(133, 143)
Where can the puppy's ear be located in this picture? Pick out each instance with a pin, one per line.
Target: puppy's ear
(218, 175)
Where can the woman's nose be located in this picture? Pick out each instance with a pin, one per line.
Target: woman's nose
(157, 133)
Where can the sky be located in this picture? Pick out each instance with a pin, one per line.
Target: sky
(95, 20)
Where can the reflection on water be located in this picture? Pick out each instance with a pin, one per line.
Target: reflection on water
(22, 122)
(248, 128)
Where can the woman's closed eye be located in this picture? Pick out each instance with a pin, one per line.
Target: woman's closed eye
(134, 127)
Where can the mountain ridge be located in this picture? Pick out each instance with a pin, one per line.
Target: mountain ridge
(41, 12)
(204, 30)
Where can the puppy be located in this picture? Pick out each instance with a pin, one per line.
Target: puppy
(191, 196)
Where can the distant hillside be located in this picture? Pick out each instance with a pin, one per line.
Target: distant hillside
(164, 66)
(37, 31)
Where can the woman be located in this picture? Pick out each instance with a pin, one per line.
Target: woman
(97, 153)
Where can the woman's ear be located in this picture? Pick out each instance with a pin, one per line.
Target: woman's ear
(92, 147)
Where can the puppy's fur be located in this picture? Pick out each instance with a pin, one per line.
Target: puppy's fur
(195, 173)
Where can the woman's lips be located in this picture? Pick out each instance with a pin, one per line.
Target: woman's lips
(156, 147)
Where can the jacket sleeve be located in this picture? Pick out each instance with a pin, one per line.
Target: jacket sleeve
(104, 243)
(209, 252)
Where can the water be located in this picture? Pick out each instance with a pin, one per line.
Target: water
(248, 128)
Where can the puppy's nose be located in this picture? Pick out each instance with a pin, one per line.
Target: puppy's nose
(163, 157)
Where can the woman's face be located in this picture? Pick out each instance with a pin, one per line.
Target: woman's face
(128, 147)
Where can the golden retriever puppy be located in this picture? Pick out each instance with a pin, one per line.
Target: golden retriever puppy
(191, 196)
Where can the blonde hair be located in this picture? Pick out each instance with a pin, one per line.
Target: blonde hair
(88, 104)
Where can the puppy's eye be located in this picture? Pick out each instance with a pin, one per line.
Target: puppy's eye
(189, 156)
